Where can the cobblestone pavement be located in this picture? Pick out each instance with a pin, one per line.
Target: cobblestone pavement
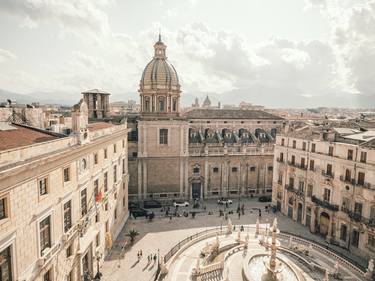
(163, 233)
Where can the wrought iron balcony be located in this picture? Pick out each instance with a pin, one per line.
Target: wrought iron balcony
(295, 191)
(324, 204)
(278, 159)
(328, 175)
(347, 180)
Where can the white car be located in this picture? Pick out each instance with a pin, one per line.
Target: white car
(181, 204)
(224, 201)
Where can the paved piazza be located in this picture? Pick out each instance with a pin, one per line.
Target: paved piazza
(160, 235)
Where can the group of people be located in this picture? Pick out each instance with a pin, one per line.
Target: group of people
(150, 257)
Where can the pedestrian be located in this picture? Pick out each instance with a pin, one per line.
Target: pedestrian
(260, 212)
(239, 215)
(242, 228)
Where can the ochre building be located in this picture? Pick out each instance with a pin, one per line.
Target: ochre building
(63, 199)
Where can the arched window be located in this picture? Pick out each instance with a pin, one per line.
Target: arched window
(161, 104)
(348, 175)
(147, 105)
(196, 169)
(174, 105)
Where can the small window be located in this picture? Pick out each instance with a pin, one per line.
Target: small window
(114, 148)
(115, 214)
(313, 145)
(96, 158)
(3, 208)
(363, 156)
(163, 136)
(174, 107)
(252, 169)
(83, 202)
(115, 173)
(312, 165)
(135, 154)
(215, 169)
(67, 216)
(196, 170)
(234, 169)
(106, 207)
(123, 201)
(304, 146)
(123, 143)
(97, 240)
(294, 144)
(350, 154)
(105, 153)
(66, 174)
(270, 168)
(105, 181)
(43, 186)
(330, 151)
(45, 234)
(327, 195)
(47, 276)
(282, 142)
(106, 226)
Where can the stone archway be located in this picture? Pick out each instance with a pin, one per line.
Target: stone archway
(324, 222)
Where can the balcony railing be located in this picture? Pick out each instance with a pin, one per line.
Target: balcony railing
(278, 159)
(328, 175)
(347, 180)
(324, 204)
(366, 185)
(345, 210)
(295, 191)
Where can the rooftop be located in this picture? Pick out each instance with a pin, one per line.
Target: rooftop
(99, 126)
(230, 114)
(96, 91)
(14, 136)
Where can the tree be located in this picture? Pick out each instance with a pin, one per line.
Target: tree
(132, 234)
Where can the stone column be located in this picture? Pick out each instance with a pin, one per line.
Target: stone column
(144, 179)
(139, 178)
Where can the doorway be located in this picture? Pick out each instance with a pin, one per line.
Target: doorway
(324, 224)
(299, 213)
(196, 190)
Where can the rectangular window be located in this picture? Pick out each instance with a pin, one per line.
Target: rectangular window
(372, 213)
(303, 163)
(313, 146)
(280, 180)
(312, 165)
(234, 169)
(66, 174)
(281, 157)
(310, 189)
(293, 162)
(43, 186)
(291, 182)
(329, 169)
(123, 143)
(358, 208)
(345, 204)
(350, 154)
(252, 169)
(270, 168)
(355, 238)
(343, 232)
(45, 234)
(105, 181)
(3, 208)
(114, 173)
(115, 214)
(163, 136)
(123, 166)
(215, 170)
(96, 158)
(69, 251)
(123, 201)
(106, 226)
(96, 187)
(294, 144)
(67, 216)
(282, 142)
(363, 156)
(330, 151)
(304, 146)
(114, 148)
(327, 195)
(361, 178)
(301, 186)
(84, 202)
(105, 153)
(6, 264)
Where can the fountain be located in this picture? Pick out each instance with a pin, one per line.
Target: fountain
(270, 263)
(230, 227)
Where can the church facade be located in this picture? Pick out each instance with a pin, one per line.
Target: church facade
(201, 153)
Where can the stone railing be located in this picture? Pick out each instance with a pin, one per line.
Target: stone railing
(324, 204)
(208, 269)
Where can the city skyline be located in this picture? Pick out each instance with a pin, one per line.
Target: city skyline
(309, 53)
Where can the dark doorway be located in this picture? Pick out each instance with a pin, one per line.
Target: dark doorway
(196, 190)
(299, 213)
(324, 224)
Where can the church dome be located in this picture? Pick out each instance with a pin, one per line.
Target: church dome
(159, 74)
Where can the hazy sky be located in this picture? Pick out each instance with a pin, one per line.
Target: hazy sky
(274, 52)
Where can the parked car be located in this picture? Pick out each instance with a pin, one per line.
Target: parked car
(265, 199)
(133, 205)
(180, 203)
(140, 212)
(224, 201)
(149, 204)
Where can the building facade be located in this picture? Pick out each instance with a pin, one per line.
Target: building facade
(200, 153)
(325, 179)
(63, 199)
